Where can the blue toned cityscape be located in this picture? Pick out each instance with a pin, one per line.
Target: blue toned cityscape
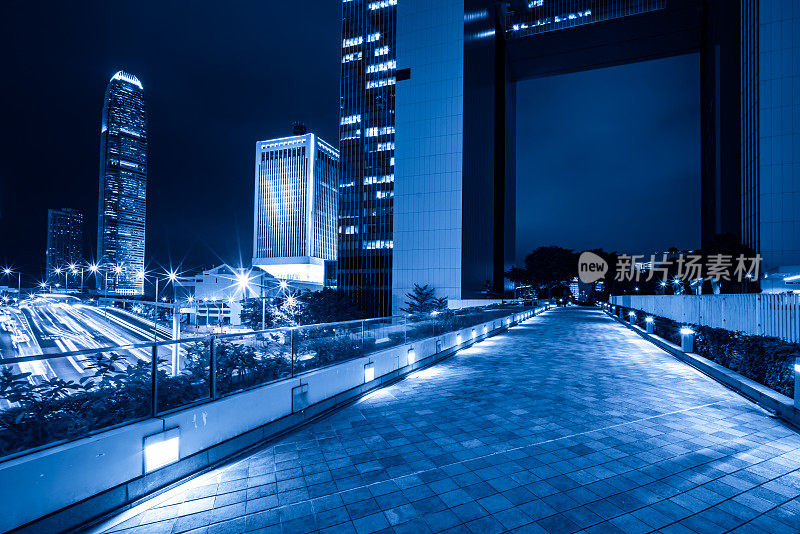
(400, 266)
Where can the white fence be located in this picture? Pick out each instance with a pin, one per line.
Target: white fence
(758, 314)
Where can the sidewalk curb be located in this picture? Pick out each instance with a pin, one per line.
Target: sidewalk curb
(772, 401)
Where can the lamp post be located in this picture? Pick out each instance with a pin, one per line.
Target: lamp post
(8, 272)
(245, 283)
(57, 271)
(173, 277)
(93, 267)
(73, 268)
(117, 271)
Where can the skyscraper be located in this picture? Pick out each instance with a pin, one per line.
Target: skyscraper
(366, 142)
(123, 184)
(459, 65)
(64, 239)
(296, 198)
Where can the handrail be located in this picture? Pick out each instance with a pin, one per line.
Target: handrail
(209, 387)
(154, 344)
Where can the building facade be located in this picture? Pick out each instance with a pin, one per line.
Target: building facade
(123, 185)
(778, 134)
(296, 204)
(64, 240)
(366, 142)
(455, 194)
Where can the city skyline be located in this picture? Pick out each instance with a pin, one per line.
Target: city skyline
(400, 266)
(199, 220)
(200, 144)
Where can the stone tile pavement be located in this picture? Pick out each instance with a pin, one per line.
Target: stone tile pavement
(568, 423)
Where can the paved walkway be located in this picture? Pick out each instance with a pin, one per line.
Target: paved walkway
(567, 423)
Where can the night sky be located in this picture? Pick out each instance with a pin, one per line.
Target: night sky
(217, 76)
(220, 76)
(618, 151)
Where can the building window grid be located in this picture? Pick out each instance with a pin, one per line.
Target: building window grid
(363, 271)
(283, 202)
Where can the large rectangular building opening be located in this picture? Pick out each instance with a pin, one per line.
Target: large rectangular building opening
(610, 158)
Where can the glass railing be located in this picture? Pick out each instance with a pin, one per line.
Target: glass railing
(52, 398)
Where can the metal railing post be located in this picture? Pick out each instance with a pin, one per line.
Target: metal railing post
(291, 345)
(154, 381)
(362, 336)
(212, 367)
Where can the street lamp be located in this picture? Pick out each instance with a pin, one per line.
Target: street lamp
(245, 282)
(73, 268)
(58, 271)
(173, 277)
(8, 272)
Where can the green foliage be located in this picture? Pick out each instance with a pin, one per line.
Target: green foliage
(422, 299)
(328, 306)
(116, 391)
(251, 314)
(547, 269)
(764, 359)
(307, 307)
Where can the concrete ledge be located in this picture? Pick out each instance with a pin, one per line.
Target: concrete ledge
(768, 399)
(202, 452)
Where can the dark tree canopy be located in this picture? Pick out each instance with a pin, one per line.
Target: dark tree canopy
(546, 269)
(307, 307)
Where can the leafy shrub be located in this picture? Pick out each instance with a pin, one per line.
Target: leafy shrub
(766, 360)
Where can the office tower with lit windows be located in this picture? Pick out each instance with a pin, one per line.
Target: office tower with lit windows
(64, 239)
(296, 201)
(366, 143)
(123, 184)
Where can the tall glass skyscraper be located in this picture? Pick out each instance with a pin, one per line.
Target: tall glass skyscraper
(296, 197)
(64, 239)
(123, 184)
(366, 143)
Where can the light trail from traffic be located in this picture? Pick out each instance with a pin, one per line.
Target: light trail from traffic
(44, 325)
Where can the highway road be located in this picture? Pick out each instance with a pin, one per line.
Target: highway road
(46, 325)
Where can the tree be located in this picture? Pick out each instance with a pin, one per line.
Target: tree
(307, 307)
(422, 299)
(252, 311)
(729, 245)
(328, 306)
(546, 268)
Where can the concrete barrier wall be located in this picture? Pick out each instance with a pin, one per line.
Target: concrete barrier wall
(90, 477)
